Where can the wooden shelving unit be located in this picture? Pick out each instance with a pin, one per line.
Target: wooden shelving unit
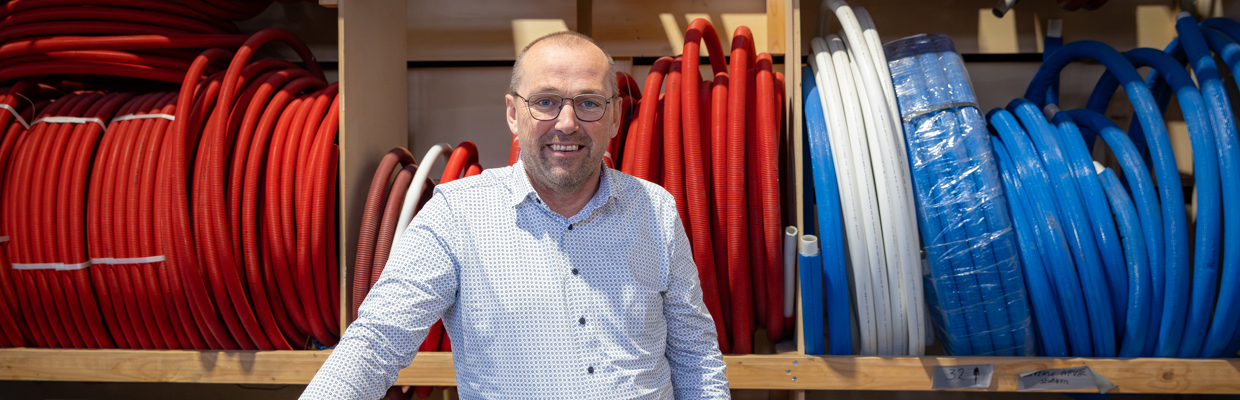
(376, 49)
(788, 372)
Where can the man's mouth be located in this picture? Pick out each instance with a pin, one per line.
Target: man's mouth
(567, 148)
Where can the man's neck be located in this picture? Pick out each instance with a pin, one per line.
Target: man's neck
(570, 203)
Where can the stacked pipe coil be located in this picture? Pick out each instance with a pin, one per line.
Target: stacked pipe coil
(1141, 290)
(110, 240)
(859, 139)
(384, 218)
(977, 292)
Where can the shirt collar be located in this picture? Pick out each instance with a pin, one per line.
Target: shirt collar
(522, 190)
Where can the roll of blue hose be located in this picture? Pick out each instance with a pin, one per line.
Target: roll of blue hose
(1176, 296)
(979, 292)
(830, 223)
(1026, 166)
(810, 268)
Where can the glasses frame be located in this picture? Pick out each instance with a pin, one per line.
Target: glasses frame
(559, 110)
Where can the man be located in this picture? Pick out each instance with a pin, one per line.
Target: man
(556, 278)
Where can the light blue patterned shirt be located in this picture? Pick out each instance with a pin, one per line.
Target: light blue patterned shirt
(603, 305)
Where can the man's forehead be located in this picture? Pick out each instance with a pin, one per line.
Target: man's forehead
(549, 67)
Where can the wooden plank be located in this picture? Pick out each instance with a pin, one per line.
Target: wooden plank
(996, 35)
(789, 372)
(585, 17)
(776, 22)
(373, 111)
(792, 86)
(913, 373)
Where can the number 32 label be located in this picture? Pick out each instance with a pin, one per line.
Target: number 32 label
(972, 376)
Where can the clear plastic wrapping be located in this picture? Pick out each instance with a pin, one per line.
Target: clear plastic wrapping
(974, 285)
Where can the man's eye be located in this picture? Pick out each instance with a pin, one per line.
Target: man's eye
(589, 104)
(544, 103)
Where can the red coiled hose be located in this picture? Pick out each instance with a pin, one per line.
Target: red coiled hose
(465, 155)
(372, 214)
(767, 171)
(734, 194)
(719, 174)
(697, 164)
(673, 174)
(757, 243)
(172, 205)
(644, 148)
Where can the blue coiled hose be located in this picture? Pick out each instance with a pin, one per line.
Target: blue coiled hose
(1045, 309)
(810, 268)
(1044, 220)
(996, 214)
(1167, 70)
(1082, 168)
(1075, 223)
(966, 228)
(1175, 301)
(1146, 201)
(1223, 337)
(944, 209)
(1137, 325)
(809, 265)
(839, 323)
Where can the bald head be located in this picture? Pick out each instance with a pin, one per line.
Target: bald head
(568, 40)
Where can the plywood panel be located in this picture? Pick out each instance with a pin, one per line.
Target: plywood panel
(475, 29)
(455, 104)
(372, 112)
(1114, 24)
(632, 28)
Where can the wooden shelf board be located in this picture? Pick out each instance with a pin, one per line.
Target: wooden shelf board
(1217, 376)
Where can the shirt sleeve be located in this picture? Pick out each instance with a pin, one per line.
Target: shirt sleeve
(416, 287)
(697, 367)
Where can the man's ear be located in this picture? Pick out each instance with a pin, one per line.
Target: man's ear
(512, 113)
(617, 117)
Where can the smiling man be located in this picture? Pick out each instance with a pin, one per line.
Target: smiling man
(556, 278)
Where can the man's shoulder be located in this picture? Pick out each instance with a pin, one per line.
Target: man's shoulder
(631, 186)
(489, 179)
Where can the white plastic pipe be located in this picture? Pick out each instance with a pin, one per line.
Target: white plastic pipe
(910, 271)
(414, 195)
(864, 295)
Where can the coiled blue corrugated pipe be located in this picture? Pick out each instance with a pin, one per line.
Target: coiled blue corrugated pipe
(979, 292)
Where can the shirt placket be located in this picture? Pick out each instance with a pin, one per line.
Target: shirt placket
(581, 301)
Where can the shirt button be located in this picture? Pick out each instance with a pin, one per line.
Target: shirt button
(590, 370)
(575, 272)
(582, 321)
(570, 227)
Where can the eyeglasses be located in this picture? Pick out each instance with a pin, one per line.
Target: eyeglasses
(547, 106)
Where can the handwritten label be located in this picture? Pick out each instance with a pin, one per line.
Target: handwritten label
(972, 376)
(1064, 379)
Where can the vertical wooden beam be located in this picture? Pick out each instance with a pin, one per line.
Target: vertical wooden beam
(374, 108)
(792, 79)
(777, 23)
(585, 17)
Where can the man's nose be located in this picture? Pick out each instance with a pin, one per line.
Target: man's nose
(567, 121)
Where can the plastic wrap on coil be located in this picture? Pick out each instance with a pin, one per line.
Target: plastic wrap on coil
(975, 288)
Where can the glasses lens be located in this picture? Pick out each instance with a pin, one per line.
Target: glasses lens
(545, 106)
(590, 107)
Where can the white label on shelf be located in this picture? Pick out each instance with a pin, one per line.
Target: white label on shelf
(973, 376)
(1064, 379)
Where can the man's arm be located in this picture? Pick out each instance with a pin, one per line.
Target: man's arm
(698, 371)
(418, 284)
